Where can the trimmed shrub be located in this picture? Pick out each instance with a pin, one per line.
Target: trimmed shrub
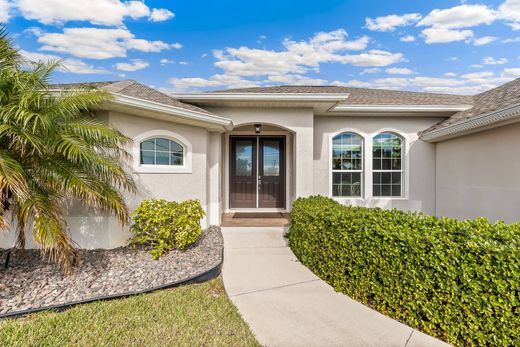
(165, 225)
(456, 280)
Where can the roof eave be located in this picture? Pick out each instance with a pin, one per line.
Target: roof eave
(401, 108)
(474, 124)
(282, 97)
(199, 117)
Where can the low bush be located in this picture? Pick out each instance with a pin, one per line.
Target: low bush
(165, 225)
(456, 280)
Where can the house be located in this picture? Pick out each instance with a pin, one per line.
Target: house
(258, 149)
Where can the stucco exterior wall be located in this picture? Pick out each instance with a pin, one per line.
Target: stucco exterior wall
(92, 229)
(419, 179)
(478, 175)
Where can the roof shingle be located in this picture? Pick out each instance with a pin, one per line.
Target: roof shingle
(366, 96)
(495, 99)
(137, 90)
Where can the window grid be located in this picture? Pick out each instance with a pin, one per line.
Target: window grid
(387, 167)
(347, 165)
(165, 152)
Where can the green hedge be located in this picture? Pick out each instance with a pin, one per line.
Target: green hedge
(165, 225)
(456, 280)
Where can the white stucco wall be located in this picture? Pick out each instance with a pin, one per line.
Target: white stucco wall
(92, 229)
(419, 163)
(479, 175)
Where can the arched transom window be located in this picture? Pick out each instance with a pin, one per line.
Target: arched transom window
(387, 165)
(161, 151)
(347, 165)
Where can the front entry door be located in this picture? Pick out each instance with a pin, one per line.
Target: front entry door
(257, 172)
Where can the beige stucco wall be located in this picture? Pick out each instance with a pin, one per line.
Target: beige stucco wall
(479, 175)
(92, 229)
(419, 159)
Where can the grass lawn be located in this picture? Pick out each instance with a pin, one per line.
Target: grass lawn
(195, 315)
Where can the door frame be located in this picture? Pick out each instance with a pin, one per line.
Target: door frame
(226, 177)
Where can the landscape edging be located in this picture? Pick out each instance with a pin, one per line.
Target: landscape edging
(199, 278)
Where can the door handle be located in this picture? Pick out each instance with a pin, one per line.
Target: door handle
(259, 183)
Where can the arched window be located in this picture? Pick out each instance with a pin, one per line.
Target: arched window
(347, 165)
(387, 165)
(161, 151)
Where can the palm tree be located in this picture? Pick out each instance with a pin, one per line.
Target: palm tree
(53, 151)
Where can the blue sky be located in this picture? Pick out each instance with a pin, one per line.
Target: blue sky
(438, 46)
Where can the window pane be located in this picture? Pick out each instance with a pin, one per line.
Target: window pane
(148, 145)
(387, 164)
(336, 190)
(244, 158)
(176, 159)
(336, 178)
(386, 190)
(356, 178)
(161, 151)
(162, 158)
(377, 190)
(396, 190)
(162, 144)
(376, 164)
(147, 157)
(175, 147)
(376, 177)
(396, 164)
(386, 177)
(271, 158)
(346, 178)
(396, 178)
(356, 190)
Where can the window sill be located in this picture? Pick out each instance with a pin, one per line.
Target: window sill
(162, 169)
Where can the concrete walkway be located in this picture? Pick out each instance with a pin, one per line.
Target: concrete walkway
(285, 304)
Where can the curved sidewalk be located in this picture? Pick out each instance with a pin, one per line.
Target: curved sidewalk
(285, 304)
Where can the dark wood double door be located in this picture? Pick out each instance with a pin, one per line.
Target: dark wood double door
(257, 172)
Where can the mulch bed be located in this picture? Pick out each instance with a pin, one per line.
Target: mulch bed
(30, 283)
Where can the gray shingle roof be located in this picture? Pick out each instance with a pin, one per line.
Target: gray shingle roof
(495, 99)
(366, 96)
(136, 90)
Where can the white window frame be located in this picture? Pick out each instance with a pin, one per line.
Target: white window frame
(403, 194)
(363, 166)
(186, 167)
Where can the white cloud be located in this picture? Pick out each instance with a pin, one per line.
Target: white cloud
(514, 39)
(471, 83)
(450, 25)
(391, 22)
(133, 65)
(97, 43)
(4, 11)
(165, 61)
(452, 58)
(510, 11)
(290, 64)
(370, 71)
(463, 16)
(513, 72)
(450, 74)
(67, 65)
(407, 38)
(481, 41)
(399, 71)
(160, 15)
(104, 12)
(296, 80)
(445, 35)
(493, 61)
(183, 63)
